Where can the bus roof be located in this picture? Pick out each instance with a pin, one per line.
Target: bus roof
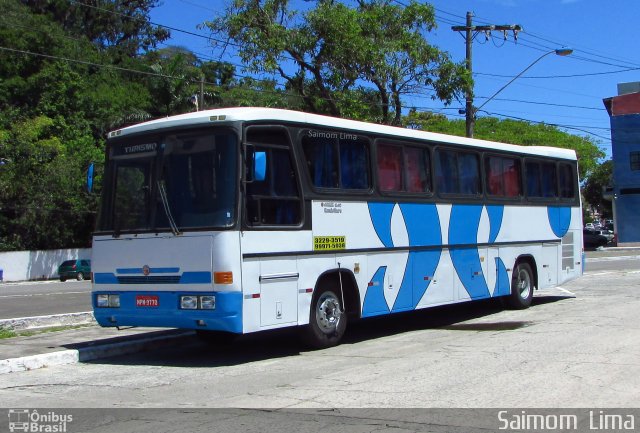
(279, 115)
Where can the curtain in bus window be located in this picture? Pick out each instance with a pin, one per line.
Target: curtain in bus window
(549, 180)
(418, 177)
(495, 185)
(322, 161)
(390, 167)
(566, 181)
(511, 174)
(469, 171)
(284, 180)
(533, 179)
(354, 164)
(447, 172)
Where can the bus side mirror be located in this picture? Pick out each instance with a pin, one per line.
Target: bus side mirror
(90, 171)
(259, 166)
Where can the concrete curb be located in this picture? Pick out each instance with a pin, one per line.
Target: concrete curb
(39, 322)
(95, 350)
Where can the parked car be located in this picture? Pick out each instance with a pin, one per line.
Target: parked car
(593, 240)
(77, 268)
(606, 233)
(589, 226)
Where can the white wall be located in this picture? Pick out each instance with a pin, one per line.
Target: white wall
(37, 265)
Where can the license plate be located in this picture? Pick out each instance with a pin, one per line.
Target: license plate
(147, 301)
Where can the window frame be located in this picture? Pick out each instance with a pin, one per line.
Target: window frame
(339, 190)
(287, 147)
(494, 197)
(436, 166)
(539, 162)
(404, 171)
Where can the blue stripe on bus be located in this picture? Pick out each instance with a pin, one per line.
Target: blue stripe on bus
(196, 278)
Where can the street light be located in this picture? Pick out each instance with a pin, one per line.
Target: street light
(558, 52)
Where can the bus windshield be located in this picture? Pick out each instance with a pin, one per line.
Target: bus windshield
(177, 180)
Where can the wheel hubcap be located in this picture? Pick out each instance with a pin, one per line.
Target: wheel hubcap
(328, 313)
(524, 284)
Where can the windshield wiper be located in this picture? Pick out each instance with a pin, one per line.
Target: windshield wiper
(167, 209)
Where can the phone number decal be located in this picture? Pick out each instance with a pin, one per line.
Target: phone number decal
(323, 243)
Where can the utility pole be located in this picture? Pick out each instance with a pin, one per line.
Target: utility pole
(470, 33)
(201, 106)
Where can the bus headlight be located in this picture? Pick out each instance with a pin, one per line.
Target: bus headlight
(107, 301)
(189, 302)
(102, 301)
(208, 302)
(114, 301)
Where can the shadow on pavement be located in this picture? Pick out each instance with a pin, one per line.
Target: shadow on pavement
(190, 351)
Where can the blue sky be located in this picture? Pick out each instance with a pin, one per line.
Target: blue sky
(566, 91)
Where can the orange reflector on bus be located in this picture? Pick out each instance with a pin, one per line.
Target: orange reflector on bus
(223, 277)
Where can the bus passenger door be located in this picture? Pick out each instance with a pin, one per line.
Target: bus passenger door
(273, 216)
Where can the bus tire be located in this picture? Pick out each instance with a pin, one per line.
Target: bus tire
(327, 320)
(522, 284)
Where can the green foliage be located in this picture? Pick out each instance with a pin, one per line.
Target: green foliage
(374, 53)
(601, 178)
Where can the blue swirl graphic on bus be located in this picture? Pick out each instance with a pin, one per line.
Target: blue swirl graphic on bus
(374, 301)
(463, 234)
(422, 223)
(559, 220)
(381, 217)
(423, 226)
(495, 213)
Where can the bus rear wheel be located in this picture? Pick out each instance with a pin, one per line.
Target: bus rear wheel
(327, 320)
(522, 284)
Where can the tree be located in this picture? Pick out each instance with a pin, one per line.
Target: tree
(333, 55)
(120, 27)
(53, 117)
(601, 178)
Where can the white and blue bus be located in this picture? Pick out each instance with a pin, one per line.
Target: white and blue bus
(238, 220)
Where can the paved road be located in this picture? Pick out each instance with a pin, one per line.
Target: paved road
(577, 346)
(28, 299)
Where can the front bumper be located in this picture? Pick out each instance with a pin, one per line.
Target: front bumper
(227, 316)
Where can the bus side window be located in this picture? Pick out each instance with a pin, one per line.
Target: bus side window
(542, 180)
(337, 160)
(274, 200)
(503, 177)
(390, 167)
(458, 172)
(567, 181)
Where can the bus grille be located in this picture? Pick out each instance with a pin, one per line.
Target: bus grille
(162, 279)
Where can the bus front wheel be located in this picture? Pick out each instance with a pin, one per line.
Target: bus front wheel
(522, 284)
(327, 320)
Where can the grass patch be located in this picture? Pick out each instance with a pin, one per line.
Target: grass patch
(7, 333)
(10, 333)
